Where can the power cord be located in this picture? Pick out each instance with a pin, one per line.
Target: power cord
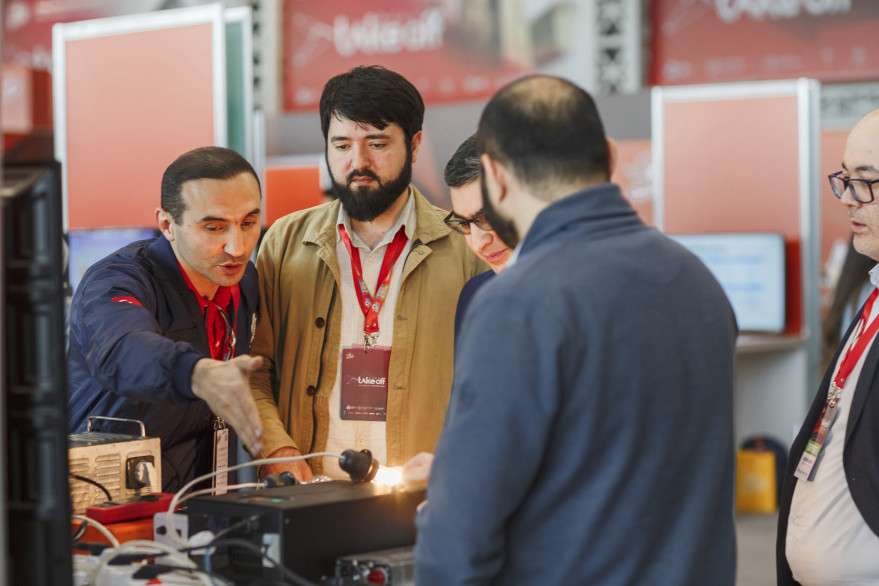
(287, 573)
(360, 465)
(93, 483)
(172, 532)
(100, 527)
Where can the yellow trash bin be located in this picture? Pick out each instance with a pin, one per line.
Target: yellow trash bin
(755, 481)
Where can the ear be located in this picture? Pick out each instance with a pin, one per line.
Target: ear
(611, 157)
(415, 143)
(495, 176)
(164, 221)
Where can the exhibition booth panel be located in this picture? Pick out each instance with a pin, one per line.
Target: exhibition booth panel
(734, 165)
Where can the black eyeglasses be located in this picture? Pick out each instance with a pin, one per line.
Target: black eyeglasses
(462, 225)
(861, 189)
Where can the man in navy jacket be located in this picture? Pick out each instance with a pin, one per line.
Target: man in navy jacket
(160, 329)
(589, 436)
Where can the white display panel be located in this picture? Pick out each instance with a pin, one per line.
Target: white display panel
(750, 268)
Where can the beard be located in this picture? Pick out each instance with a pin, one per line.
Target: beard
(503, 227)
(364, 204)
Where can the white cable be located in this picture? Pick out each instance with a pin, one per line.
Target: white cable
(142, 544)
(106, 532)
(172, 532)
(212, 490)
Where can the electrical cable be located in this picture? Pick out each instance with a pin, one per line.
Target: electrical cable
(178, 499)
(220, 535)
(172, 532)
(92, 482)
(204, 491)
(233, 527)
(106, 532)
(80, 532)
(287, 573)
(137, 546)
(152, 571)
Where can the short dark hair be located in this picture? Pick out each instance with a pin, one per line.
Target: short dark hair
(375, 96)
(211, 162)
(463, 167)
(545, 129)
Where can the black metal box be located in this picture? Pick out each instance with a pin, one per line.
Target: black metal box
(305, 527)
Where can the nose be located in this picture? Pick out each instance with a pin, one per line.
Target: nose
(359, 158)
(235, 242)
(481, 238)
(849, 200)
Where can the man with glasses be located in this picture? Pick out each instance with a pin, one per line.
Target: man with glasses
(358, 295)
(160, 329)
(468, 218)
(828, 522)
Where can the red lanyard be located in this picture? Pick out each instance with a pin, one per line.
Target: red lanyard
(862, 336)
(372, 305)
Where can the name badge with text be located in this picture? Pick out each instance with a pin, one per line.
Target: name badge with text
(365, 383)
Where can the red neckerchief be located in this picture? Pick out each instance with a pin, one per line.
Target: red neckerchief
(211, 309)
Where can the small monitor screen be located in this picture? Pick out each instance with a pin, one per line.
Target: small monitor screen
(750, 268)
(89, 246)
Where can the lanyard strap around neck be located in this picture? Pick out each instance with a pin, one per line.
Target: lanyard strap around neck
(861, 337)
(371, 305)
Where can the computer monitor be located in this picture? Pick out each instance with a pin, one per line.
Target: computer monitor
(751, 269)
(89, 246)
(34, 376)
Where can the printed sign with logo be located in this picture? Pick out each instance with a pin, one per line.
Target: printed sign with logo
(450, 51)
(365, 383)
(700, 41)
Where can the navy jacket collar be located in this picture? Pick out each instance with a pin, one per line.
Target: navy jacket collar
(163, 256)
(591, 210)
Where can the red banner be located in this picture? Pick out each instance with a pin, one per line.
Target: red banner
(708, 41)
(451, 51)
(27, 24)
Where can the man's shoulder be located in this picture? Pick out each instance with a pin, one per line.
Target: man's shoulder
(136, 256)
(476, 282)
(316, 217)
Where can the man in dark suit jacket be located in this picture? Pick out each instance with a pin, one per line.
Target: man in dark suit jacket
(828, 523)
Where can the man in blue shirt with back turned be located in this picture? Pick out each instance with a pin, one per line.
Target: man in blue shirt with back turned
(589, 437)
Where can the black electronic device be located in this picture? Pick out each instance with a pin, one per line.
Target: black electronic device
(306, 527)
(34, 375)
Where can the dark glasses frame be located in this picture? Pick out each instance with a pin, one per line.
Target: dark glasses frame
(462, 225)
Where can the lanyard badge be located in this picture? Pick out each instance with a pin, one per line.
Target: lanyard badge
(221, 455)
(860, 339)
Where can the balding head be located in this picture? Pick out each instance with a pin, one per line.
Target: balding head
(866, 131)
(860, 174)
(548, 132)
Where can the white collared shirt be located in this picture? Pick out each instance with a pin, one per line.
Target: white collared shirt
(358, 435)
(828, 542)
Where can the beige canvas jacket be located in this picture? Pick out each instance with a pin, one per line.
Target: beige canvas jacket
(298, 331)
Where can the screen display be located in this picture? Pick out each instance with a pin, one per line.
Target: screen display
(88, 246)
(750, 268)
